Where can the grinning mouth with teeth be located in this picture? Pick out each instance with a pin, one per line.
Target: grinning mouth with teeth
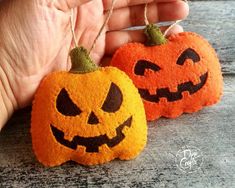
(92, 144)
(174, 96)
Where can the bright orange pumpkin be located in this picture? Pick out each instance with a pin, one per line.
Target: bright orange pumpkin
(90, 115)
(173, 76)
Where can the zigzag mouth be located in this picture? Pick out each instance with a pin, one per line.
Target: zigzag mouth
(92, 144)
(174, 96)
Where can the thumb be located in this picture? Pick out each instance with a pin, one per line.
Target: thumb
(66, 5)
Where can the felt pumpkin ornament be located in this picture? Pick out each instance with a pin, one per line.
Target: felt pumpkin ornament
(175, 75)
(90, 115)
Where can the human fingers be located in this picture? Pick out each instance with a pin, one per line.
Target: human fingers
(156, 12)
(123, 37)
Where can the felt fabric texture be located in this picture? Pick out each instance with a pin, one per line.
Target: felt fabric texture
(187, 75)
(90, 131)
(81, 61)
(154, 35)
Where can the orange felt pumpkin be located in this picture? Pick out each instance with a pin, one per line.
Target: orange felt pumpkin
(89, 115)
(180, 74)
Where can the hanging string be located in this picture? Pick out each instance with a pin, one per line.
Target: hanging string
(109, 14)
(175, 23)
(146, 21)
(73, 28)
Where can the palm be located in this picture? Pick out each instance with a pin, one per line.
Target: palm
(45, 40)
(38, 39)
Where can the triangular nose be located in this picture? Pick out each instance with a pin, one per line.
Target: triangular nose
(93, 119)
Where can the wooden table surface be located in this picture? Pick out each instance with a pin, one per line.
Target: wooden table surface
(210, 130)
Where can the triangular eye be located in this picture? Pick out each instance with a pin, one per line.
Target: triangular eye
(141, 65)
(188, 54)
(65, 105)
(113, 100)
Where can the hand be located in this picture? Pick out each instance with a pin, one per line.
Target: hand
(35, 36)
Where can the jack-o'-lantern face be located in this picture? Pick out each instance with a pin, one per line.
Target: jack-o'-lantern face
(112, 103)
(182, 75)
(174, 94)
(89, 118)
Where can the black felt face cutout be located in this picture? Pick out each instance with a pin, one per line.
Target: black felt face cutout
(92, 144)
(143, 65)
(65, 105)
(113, 100)
(189, 53)
(112, 104)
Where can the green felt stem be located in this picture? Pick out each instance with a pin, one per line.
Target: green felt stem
(81, 61)
(154, 35)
